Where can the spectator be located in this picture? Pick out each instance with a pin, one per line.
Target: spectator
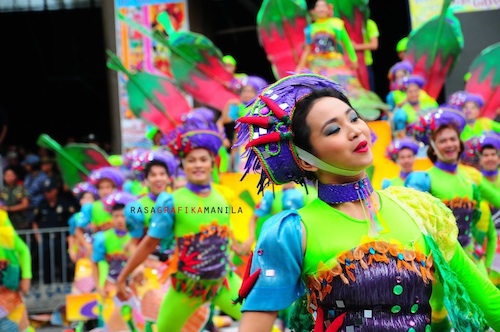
(34, 181)
(15, 199)
(12, 161)
(53, 211)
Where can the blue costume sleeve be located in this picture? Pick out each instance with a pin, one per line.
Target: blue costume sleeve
(292, 199)
(85, 216)
(98, 248)
(418, 180)
(265, 205)
(399, 119)
(162, 224)
(390, 100)
(134, 216)
(279, 255)
(127, 187)
(386, 183)
(307, 33)
(72, 223)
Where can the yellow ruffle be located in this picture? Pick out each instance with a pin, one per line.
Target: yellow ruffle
(432, 216)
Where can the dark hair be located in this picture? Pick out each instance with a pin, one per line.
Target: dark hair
(488, 146)
(118, 207)
(300, 129)
(301, 132)
(13, 169)
(430, 151)
(154, 162)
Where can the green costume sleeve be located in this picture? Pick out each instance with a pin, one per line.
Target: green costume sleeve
(491, 244)
(103, 267)
(24, 257)
(349, 48)
(495, 126)
(480, 289)
(489, 192)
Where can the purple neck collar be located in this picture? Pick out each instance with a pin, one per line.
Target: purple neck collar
(347, 192)
(199, 188)
(152, 196)
(450, 168)
(403, 175)
(120, 232)
(414, 103)
(489, 173)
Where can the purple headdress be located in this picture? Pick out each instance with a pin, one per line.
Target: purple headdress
(256, 82)
(413, 79)
(199, 114)
(474, 98)
(402, 65)
(457, 100)
(131, 157)
(423, 128)
(110, 173)
(166, 157)
(117, 197)
(84, 187)
(399, 144)
(266, 129)
(194, 135)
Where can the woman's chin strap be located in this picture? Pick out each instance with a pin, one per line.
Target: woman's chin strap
(315, 161)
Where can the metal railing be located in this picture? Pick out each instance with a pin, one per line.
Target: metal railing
(52, 268)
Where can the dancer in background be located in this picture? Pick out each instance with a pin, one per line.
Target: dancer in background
(401, 151)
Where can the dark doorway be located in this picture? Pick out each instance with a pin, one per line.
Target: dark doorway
(54, 75)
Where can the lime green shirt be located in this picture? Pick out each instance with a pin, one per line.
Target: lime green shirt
(370, 31)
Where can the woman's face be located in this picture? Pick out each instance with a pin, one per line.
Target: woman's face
(471, 110)
(399, 74)
(412, 93)
(9, 177)
(87, 198)
(338, 136)
(321, 9)
(490, 159)
(198, 165)
(247, 93)
(406, 160)
(105, 187)
(158, 179)
(448, 145)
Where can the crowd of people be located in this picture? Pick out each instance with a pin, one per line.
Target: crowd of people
(151, 233)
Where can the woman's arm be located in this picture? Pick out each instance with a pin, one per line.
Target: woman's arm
(257, 321)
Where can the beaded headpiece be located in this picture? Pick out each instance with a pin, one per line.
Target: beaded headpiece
(267, 130)
(399, 144)
(423, 128)
(194, 135)
(111, 173)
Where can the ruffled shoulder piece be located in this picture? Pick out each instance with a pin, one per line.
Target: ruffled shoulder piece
(430, 214)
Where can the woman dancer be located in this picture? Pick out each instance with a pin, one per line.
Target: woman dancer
(362, 258)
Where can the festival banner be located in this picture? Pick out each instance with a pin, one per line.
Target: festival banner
(141, 53)
(422, 11)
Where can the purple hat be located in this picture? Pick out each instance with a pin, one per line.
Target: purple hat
(423, 128)
(117, 197)
(131, 157)
(475, 145)
(457, 100)
(413, 79)
(475, 99)
(490, 138)
(108, 172)
(266, 130)
(166, 157)
(402, 65)
(194, 135)
(400, 144)
(255, 82)
(84, 187)
(199, 114)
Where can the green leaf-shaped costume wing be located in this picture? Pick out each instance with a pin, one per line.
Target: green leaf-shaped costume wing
(434, 48)
(75, 160)
(485, 79)
(280, 27)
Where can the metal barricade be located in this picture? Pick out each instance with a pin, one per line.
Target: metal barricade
(52, 268)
